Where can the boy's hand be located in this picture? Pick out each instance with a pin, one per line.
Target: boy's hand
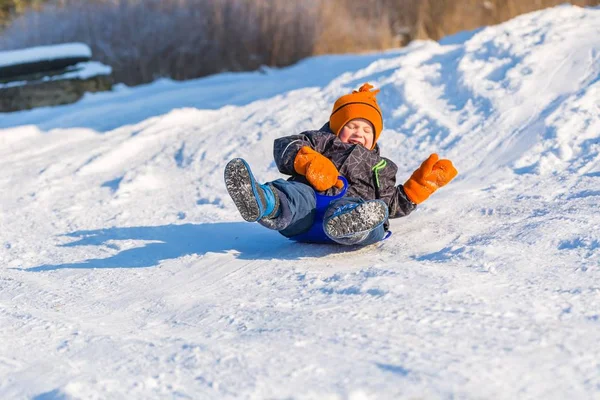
(430, 176)
(318, 169)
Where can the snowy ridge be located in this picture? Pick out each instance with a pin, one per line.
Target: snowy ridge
(126, 266)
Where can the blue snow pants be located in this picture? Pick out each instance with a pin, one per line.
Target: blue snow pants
(301, 218)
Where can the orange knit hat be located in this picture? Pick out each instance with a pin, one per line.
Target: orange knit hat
(358, 104)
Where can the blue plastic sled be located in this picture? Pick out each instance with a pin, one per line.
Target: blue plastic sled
(316, 234)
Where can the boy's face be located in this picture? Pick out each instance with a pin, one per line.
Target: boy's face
(358, 131)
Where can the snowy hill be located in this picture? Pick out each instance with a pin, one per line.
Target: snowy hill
(125, 271)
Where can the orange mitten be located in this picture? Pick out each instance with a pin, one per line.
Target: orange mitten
(431, 175)
(318, 169)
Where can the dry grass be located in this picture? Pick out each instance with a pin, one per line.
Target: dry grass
(11, 8)
(352, 26)
(439, 18)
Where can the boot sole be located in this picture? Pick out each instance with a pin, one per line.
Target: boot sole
(362, 219)
(241, 188)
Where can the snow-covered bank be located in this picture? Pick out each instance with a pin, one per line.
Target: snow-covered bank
(44, 53)
(125, 271)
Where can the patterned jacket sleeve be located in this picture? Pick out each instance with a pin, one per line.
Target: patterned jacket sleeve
(286, 148)
(399, 204)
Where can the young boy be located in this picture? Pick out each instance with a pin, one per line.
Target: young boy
(346, 146)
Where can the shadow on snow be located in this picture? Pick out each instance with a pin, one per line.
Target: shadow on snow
(251, 241)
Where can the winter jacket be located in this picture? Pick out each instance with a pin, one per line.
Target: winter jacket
(369, 175)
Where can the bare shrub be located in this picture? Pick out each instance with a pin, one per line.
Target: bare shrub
(182, 39)
(351, 26)
(135, 38)
(250, 33)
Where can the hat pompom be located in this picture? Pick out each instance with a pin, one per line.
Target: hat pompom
(366, 88)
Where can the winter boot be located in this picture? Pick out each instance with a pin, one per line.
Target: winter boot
(253, 201)
(357, 222)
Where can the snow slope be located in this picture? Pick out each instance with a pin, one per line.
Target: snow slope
(125, 271)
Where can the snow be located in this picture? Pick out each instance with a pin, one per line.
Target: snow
(82, 70)
(44, 53)
(126, 272)
(86, 70)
